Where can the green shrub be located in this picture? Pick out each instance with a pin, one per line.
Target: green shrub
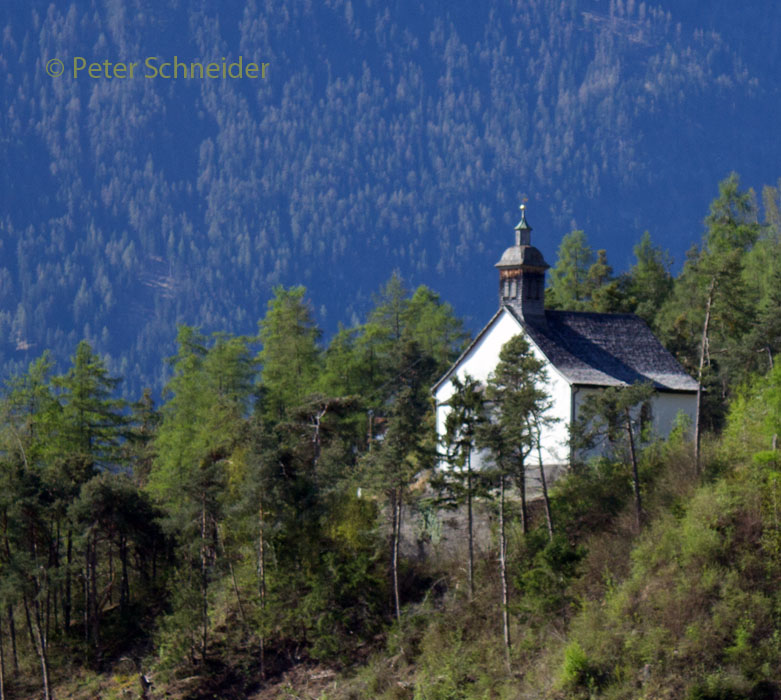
(719, 687)
(578, 672)
(589, 498)
(547, 572)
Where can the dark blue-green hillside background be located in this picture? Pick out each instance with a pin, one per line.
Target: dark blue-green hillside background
(387, 135)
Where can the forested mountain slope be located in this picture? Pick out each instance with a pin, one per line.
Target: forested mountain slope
(280, 522)
(384, 137)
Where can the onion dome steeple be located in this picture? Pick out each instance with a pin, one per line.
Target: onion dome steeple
(522, 274)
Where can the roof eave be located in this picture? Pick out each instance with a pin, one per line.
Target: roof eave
(660, 388)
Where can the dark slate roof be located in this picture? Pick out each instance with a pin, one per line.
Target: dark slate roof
(604, 349)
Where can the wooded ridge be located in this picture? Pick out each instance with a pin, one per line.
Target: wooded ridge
(244, 538)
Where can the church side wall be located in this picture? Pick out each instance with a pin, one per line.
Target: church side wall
(579, 395)
(665, 407)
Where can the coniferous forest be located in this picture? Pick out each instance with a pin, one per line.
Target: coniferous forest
(224, 303)
(275, 525)
(385, 136)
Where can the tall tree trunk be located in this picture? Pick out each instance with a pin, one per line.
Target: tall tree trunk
(95, 612)
(124, 589)
(41, 641)
(30, 632)
(110, 572)
(66, 604)
(2, 667)
(316, 441)
(56, 596)
(470, 525)
(544, 486)
(703, 352)
(50, 566)
(236, 591)
(87, 601)
(635, 474)
(56, 563)
(522, 487)
(12, 632)
(204, 582)
(238, 597)
(10, 609)
(395, 537)
(47, 611)
(262, 588)
(41, 644)
(503, 574)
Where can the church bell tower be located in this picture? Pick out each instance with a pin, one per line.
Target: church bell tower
(522, 274)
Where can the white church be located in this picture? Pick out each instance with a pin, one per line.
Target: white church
(583, 352)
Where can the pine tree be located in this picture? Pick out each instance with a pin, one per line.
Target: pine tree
(709, 311)
(91, 425)
(516, 392)
(396, 317)
(519, 401)
(606, 293)
(112, 516)
(732, 229)
(613, 415)
(434, 326)
(392, 465)
(139, 447)
(92, 421)
(458, 479)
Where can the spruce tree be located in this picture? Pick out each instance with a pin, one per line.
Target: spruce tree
(650, 282)
(33, 502)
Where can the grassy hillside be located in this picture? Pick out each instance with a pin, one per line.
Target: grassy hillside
(688, 609)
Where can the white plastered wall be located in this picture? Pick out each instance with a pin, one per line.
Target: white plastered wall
(665, 407)
(482, 360)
